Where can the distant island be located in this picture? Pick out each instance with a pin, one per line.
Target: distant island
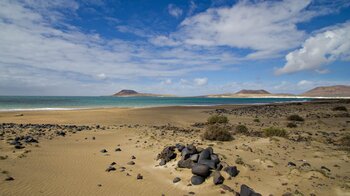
(133, 93)
(329, 91)
(323, 91)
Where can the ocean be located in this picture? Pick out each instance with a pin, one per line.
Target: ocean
(22, 103)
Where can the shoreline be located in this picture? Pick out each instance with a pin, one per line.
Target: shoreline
(169, 106)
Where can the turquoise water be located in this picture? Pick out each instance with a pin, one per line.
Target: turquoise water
(9, 103)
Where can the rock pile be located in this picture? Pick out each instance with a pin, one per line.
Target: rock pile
(203, 163)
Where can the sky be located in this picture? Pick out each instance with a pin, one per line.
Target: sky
(179, 47)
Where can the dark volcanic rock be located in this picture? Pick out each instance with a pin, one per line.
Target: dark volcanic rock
(179, 147)
(210, 163)
(9, 178)
(197, 180)
(194, 157)
(218, 178)
(204, 155)
(231, 170)
(139, 177)
(247, 191)
(188, 163)
(110, 168)
(201, 170)
(162, 162)
(291, 164)
(167, 154)
(177, 179)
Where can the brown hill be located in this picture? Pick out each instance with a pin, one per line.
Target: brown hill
(329, 91)
(126, 92)
(245, 91)
(132, 93)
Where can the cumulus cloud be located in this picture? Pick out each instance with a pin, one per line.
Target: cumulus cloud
(319, 50)
(200, 81)
(29, 40)
(174, 10)
(267, 27)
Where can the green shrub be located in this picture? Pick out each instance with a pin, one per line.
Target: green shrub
(291, 125)
(217, 132)
(217, 119)
(241, 129)
(295, 117)
(274, 131)
(340, 108)
(256, 120)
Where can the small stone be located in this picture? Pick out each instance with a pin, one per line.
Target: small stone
(291, 164)
(118, 149)
(177, 179)
(162, 162)
(113, 163)
(131, 163)
(93, 138)
(247, 191)
(9, 178)
(133, 157)
(231, 170)
(197, 180)
(218, 178)
(325, 168)
(227, 188)
(110, 168)
(139, 177)
(103, 151)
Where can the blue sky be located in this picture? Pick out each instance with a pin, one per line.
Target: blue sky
(183, 47)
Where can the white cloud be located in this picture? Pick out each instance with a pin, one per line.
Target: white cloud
(167, 82)
(267, 27)
(200, 81)
(174, 10)
(321, 49)
(31, 41)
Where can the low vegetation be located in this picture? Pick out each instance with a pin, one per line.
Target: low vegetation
(274, 131)
(241, 129)
(218, 133)
(291, 125)
(220, 119)
(295, 117)
(340, 108)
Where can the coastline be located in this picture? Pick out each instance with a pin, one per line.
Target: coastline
(263, 162)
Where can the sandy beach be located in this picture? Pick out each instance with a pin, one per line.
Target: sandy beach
(312, 160)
